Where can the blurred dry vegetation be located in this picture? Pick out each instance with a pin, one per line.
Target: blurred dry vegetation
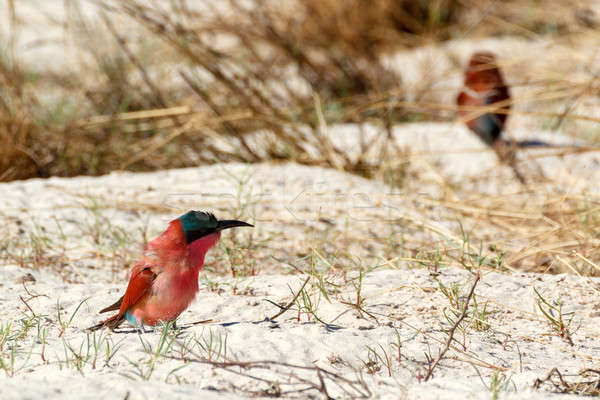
(157, 84)
(160, 84)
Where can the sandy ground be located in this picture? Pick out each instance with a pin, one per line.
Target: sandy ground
(406, 304)
(71, 240)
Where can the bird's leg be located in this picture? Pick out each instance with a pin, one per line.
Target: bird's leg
(140, 328)
(507, 154)
(174, 326)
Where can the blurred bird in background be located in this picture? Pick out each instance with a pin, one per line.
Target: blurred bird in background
(484, 87)
(484, 104)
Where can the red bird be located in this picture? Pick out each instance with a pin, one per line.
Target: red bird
(484, 86)
(164, 283)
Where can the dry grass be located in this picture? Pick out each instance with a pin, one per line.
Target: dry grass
(157, 86)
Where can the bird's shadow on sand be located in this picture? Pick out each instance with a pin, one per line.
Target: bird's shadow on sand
(183, 328)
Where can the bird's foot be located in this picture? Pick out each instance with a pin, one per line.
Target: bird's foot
(141, 329)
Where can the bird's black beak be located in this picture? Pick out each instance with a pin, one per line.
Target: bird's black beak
(230, 223)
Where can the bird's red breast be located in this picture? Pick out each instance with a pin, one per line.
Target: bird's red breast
(164, 283)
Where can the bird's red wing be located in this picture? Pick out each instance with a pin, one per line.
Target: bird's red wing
(115, 306)
(462, 99)
(139, 283)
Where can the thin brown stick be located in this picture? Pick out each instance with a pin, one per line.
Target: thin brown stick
(291, 303)
(31, 295)
(360, 309)
(24, 302)
(452, 330)
(353, 388)
(205, 321)
(323, 388)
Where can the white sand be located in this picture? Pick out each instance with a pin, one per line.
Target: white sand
(287, 202)
(409, 297)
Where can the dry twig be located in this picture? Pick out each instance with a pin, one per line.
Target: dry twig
(453, 329)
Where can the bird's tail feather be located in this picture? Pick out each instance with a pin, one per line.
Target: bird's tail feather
(111, 323)
(113, 307)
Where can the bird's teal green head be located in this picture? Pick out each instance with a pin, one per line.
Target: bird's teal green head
(197, 224)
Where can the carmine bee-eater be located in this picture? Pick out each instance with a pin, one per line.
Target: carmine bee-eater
(484, 86)
(164, 283)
